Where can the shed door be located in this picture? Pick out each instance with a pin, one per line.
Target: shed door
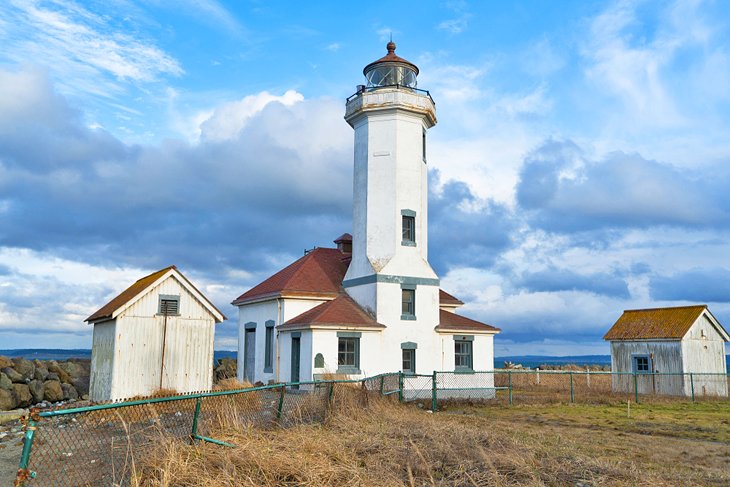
(249, 356)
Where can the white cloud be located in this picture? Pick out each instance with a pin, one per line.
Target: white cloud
(229, 119)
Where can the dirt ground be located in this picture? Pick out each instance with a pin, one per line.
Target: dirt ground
(9, 458)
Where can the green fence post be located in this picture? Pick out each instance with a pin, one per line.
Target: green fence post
(194, 432)
(692, 385)
(382, 384)
(636, 389)
(332, 392)
(509, 380)
(23, 472)
(281, 402)
(433, 392)
(400, 386)
(572, 391)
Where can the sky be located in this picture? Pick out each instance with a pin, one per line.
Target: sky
(579, 167)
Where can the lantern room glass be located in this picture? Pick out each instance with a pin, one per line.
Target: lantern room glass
(390, 75)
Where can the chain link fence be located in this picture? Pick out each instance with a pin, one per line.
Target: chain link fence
(98, 445)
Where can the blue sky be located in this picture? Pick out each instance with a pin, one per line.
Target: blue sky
(579, 167)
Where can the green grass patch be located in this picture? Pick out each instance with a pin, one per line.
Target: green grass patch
(701, 421)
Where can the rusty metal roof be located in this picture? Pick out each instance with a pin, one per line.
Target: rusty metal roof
(107, 311)
(391, 57)
(655, 323)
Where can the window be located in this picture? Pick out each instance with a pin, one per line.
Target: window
(409, 229)
(409, 360)
(269, 350)
(169, 305)
(641, 364)
(423, 149)
(348, 353)
(408, 298)
(463, 358)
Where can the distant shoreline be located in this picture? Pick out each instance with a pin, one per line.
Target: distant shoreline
(529, 361)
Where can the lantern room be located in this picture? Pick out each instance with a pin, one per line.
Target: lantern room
(391, 70)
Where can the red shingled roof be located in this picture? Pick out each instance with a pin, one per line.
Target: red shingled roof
(452, 322)
(656, 323)
(448, 299)
(340, 312)
(318, 273)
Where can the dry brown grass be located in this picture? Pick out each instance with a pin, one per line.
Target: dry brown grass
(387, 444)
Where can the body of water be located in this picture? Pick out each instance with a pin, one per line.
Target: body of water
(530, 361)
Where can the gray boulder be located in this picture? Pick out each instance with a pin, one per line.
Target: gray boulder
(72, 369)
(8, 400)
(5, 382)
(24, 367)
(41, 372)
(25, 398)
(52, 376)
(81, 384)
(69, 392)
(62, 374)
(36, 390)
(52, 391)
(13, 375)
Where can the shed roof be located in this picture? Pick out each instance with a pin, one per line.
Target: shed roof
(339, 312)
(132, 292)
(658, 323)
(449, 322)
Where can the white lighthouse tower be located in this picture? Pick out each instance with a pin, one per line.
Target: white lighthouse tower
(390, 275)
(374, 306)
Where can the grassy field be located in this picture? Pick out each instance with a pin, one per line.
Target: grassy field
(390, 444)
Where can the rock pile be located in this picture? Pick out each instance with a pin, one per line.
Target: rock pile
(226, 369)
(24, 382)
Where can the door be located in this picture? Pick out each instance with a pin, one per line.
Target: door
(249, 356)
(295, 359)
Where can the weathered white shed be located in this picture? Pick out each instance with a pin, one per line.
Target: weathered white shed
(649, 343)
(156, 334)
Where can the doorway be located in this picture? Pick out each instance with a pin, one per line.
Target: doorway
(295, 360)
(249, 356)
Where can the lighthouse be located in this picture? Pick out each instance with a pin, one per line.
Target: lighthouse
(372, 304)
(391, 117)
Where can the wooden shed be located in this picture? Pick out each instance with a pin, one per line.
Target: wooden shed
(672, 351)
(157, 334)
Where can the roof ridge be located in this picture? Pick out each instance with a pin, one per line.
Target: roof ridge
(666, 307)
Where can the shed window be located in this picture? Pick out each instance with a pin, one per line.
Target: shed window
(169, 305)
(641, 364)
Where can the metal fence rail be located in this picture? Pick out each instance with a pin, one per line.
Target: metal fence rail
(99, 444)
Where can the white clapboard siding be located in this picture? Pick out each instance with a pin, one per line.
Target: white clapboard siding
(127, 358)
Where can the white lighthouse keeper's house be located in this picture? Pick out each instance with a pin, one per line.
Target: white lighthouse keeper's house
(156, 334)
(372, 305)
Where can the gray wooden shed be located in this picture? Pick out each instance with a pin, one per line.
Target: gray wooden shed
(654, 343)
